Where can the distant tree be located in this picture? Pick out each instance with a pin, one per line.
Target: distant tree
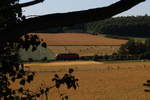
(128, 48)
(135, 49)
(146, 54)
(147, 44)
(140, 48)
(132, 47)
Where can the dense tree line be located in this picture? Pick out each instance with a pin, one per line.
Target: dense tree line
(133, 26)
(122, 26)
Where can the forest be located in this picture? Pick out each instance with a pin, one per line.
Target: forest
(133, 26)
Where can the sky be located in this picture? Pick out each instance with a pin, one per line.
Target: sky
(61, 6)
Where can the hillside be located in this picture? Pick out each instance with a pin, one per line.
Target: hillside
(79, 39)
(81, 43)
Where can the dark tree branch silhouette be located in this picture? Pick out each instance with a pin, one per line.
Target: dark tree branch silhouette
(64, 19)
(21, 5)
(30, 3)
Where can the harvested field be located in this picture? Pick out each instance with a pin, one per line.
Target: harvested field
(64, 63)
(82, 43)
(97, 81)
(79, 39)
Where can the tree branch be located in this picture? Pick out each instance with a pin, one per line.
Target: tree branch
(65, 19)
(30, 3)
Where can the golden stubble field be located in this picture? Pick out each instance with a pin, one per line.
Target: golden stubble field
(97, 80)
(78, 39)
(82, 43)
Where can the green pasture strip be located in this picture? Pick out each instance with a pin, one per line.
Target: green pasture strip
(117, 37)
(127, 37)
(138, 39)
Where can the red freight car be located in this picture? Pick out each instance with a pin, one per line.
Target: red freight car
(67, 56)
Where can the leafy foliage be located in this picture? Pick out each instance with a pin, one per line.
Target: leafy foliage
(30, 40)
(67, 79)
(11, 69)
(11, 16)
